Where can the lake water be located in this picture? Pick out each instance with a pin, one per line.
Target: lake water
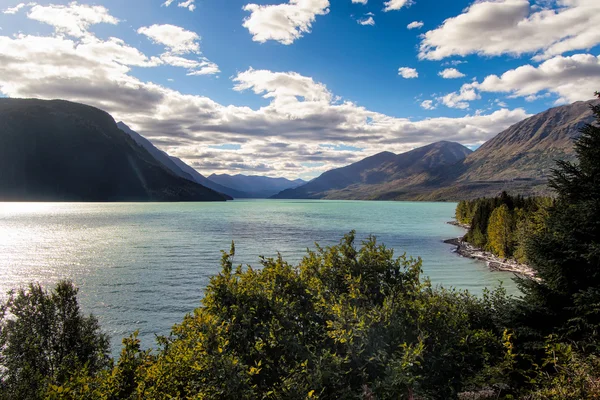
(145, 265)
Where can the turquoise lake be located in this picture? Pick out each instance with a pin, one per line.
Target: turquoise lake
(144, 265)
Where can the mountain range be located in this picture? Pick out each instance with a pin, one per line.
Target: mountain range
(236, 186)
(379, 175)
(62, 151)
(256, 186)
(518, 160)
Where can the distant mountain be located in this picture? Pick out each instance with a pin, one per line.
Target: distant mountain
(518, 159)
(177, 166)
(62, 151)
(528, 149)
(201, 179)
(255, 186)
(380, 176)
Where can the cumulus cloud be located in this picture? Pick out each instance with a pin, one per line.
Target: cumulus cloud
(179, 41)
(73, 19)
(515, 27)
(202, 66)
(285, 22)
(283, 137)
(451, 73)
(408, 73)
(570, 78)
(461, 98)
(366, 21)
(392, 5)
(189, 4)
(17, 8)
(360, 1)
(174, 38)
(415, 25)
(428, 105)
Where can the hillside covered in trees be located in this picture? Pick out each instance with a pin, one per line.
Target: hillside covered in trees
(347, 322)
(502, 224)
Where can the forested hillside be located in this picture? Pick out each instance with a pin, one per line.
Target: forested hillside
(502, 224)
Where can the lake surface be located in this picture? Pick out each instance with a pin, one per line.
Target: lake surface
(145, 265)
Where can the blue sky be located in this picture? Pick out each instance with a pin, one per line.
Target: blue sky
(292, 88)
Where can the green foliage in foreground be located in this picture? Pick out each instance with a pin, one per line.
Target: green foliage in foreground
(344, 323)
(44, 337)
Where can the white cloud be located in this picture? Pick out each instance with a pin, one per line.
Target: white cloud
(180, 41)
(194, 67)
(571, 78)
(392, 5)
(408, 73)
(17, 8)
(175, 38)
(283, 23)
(451, 73)
(453, 62)
(282, 137)
(516, 27)
(428, 105)
(73, 19)
(283, 87)
(460, 99)
(366, 21)
(360, 1)
(415, 25)
(189, 4)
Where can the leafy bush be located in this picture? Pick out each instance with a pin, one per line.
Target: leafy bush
(344, 323)
(44, 338)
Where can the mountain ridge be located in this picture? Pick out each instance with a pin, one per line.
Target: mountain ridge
(518, 159)
(255, 186)
(177, 166)
(369, 177)
(56, 150)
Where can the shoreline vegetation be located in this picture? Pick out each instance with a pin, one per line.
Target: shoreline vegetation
(494, 263)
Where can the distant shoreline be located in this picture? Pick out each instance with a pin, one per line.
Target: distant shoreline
(493, 262)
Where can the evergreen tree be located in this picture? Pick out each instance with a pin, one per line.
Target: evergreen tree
(44, 338)
(500, 231)
(566, 253)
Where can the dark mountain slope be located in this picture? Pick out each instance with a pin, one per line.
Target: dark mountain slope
(62, 151)
(255, 186)
(177, 166)
(377, 176)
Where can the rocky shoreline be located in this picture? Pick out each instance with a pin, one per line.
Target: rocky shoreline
(493, 262)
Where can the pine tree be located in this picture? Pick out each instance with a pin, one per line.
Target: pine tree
(500, 231)
(566, 253)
